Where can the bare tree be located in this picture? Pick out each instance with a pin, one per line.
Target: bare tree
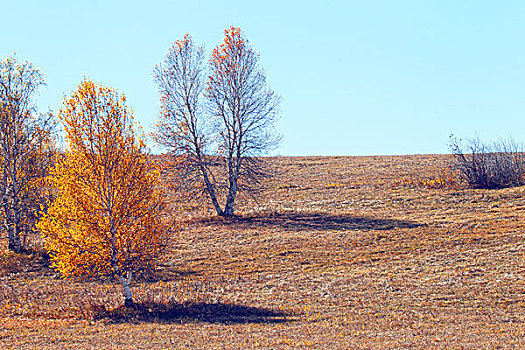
(26, 149)
(226, 121)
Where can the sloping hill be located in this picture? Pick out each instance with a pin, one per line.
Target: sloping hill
(339, 252)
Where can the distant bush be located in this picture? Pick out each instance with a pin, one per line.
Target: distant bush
(489, 165)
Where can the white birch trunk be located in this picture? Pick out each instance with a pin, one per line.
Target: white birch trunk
(126, 291)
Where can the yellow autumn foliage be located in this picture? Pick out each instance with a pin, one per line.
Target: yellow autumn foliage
(106, 217)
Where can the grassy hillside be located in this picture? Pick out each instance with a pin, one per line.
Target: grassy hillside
(339, 252)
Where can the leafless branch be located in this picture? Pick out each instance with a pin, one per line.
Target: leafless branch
(27, 149)
(217, 131)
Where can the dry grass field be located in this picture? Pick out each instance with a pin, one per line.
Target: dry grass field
(338, 253)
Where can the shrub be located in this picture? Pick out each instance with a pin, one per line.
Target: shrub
(493, 165)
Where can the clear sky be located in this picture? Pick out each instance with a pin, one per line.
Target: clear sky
(355, 77)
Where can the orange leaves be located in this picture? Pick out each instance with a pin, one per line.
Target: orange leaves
(232, 37)
(106, 217)
(94, 116)
(228, 59)
(232, 46)
(184, 42)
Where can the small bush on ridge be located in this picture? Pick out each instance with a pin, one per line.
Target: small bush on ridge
(489, 165)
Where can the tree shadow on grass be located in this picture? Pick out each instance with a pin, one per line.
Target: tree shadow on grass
(191, 312)
(311, 221)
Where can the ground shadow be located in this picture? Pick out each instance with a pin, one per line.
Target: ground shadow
(191, 312)
(311, 221)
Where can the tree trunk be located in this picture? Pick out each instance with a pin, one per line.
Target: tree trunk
(16, 227)
(230, 198)
(209, 187)
(126, 291)
(14, 241)
(214, 200)
(13, 233)
(124, 280)
(13, 238)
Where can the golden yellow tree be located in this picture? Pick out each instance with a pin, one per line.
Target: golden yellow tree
(105, 219)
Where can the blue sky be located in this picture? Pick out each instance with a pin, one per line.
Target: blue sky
(355, 77)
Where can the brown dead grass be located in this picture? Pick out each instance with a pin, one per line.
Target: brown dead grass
(338, 253)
